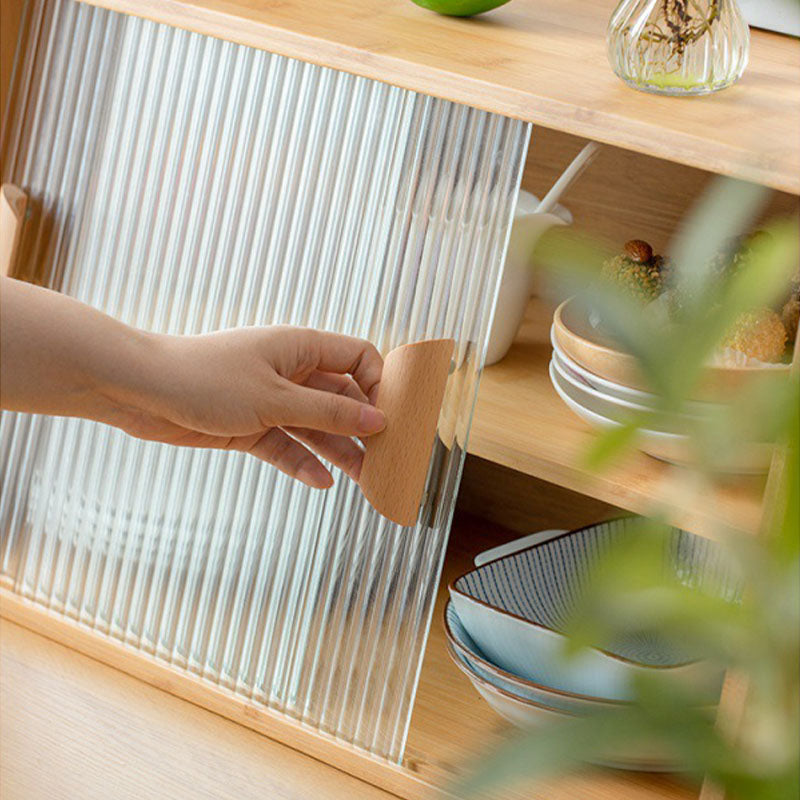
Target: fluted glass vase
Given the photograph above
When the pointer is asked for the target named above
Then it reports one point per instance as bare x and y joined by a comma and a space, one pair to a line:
678, 47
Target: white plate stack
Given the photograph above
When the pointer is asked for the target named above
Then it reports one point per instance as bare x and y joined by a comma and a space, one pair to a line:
605, 404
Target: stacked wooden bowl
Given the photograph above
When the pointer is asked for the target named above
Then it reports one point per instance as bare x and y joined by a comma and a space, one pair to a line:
605, 388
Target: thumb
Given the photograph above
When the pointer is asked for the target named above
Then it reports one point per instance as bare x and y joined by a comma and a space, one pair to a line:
329, 412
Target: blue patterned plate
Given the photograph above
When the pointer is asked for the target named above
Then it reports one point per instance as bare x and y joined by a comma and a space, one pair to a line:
514, 607
470, 654
641, 756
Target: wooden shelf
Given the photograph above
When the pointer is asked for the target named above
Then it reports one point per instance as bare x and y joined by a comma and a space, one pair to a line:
521, 423
71, 727
542, 61
452, 726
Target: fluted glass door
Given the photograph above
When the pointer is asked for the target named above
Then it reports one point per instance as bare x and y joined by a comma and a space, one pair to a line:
186, 184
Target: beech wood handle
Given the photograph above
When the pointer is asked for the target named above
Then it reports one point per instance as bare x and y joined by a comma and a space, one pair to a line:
12, 209
396, 459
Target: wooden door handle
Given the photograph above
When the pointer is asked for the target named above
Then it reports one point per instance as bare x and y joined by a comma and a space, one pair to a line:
13, 202
396, 459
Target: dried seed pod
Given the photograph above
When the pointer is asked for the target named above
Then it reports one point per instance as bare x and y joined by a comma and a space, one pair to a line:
758, 334
642, 281
639, 251
790, 315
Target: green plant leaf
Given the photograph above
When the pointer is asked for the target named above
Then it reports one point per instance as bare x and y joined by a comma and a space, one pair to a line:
725, 210
629, 593
611, 443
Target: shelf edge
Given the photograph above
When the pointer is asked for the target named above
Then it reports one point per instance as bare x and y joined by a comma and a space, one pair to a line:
649, 139
275, 726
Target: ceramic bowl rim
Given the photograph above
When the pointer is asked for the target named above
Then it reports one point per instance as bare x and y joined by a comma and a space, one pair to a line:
605, 385
643, 764
759, 465
558, 319
491, 687
570, 362
663, 435
614, 656
457, 646
556, 359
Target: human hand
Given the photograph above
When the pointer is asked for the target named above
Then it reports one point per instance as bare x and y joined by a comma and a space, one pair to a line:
278, 393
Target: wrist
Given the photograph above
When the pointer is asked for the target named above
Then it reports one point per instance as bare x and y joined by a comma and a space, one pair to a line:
128, 378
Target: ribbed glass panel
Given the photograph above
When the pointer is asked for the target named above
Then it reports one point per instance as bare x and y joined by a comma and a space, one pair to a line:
186, 184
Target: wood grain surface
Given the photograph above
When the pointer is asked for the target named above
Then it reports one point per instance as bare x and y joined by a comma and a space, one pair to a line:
10, 18
210, 696
627, 195
513, 500
396, 460
72, 728
543, 61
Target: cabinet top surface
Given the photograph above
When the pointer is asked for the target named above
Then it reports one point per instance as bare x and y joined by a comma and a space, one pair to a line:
543, 61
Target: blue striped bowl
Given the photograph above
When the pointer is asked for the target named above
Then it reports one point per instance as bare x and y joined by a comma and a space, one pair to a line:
470, 655
641, 756
514, 607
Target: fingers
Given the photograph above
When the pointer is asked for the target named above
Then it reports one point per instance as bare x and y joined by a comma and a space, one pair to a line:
273, 446
344, 385
337, 384
291, 457
305, 407
341, 451
336, 353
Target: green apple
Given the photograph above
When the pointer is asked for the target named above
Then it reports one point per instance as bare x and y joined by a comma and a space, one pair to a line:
460, 8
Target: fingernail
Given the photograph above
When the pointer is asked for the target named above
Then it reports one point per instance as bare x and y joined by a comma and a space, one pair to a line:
370, 419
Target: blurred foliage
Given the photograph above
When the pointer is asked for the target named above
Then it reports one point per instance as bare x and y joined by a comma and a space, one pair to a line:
756, 635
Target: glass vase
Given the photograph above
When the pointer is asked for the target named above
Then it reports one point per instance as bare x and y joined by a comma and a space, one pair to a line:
678, 47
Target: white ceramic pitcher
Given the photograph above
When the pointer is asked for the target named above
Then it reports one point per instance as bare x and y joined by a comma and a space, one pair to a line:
517, 282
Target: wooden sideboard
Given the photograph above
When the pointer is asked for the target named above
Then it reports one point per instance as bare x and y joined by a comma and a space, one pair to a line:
543, 62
